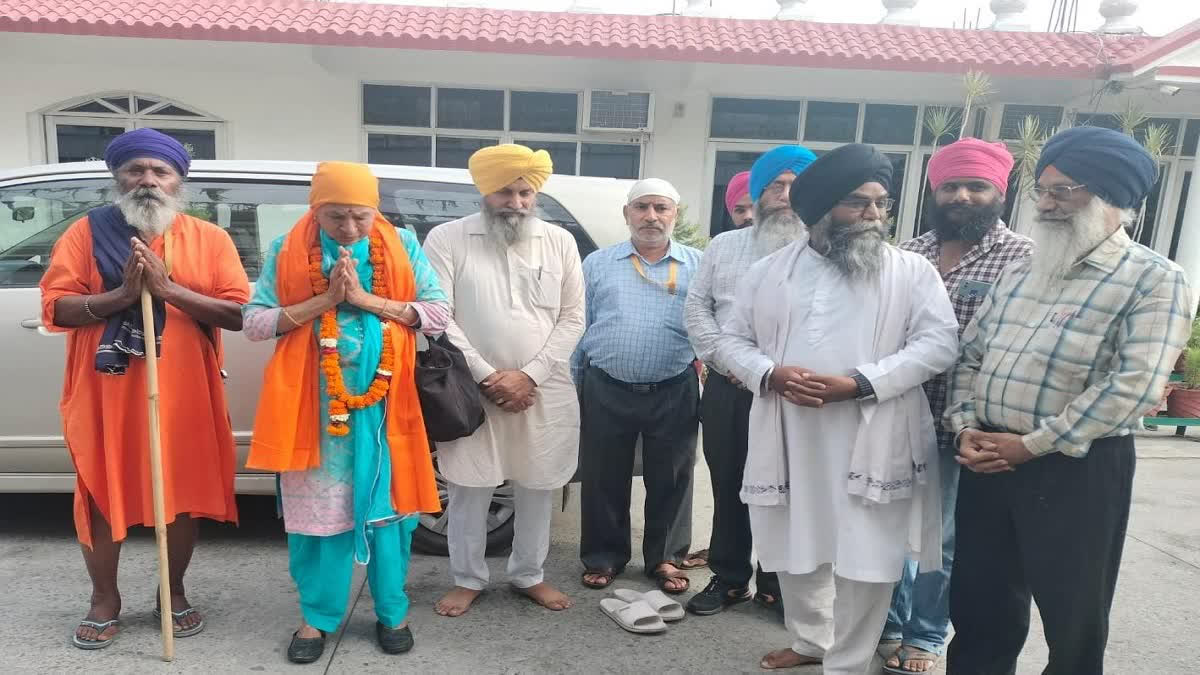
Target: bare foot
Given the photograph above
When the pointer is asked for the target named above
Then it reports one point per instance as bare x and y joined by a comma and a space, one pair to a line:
786, 658
456, 602
179, 603
546, 595
670, 578
102, 611
307, 632
915, 660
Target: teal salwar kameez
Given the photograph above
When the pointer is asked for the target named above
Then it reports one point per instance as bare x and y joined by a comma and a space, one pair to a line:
340, 513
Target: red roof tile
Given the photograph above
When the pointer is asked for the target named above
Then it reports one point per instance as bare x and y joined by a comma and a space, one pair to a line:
668, 38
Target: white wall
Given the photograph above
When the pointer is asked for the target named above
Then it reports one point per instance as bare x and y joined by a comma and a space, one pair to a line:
300, 102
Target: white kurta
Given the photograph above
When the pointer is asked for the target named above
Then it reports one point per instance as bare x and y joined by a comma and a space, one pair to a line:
519, 310
813, 316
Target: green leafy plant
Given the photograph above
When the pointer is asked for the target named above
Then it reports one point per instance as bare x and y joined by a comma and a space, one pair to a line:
977, 86
1191, 369
688, 232
1028, 149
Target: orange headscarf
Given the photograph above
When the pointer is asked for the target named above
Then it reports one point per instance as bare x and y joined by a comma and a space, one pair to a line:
288, 422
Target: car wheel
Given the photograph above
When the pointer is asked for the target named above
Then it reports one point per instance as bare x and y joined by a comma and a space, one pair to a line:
430, 535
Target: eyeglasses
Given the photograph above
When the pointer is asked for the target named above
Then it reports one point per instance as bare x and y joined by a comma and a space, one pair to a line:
859, 204
1059, 193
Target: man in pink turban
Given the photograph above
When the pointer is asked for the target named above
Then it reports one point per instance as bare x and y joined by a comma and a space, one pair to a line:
738, 202
969, 245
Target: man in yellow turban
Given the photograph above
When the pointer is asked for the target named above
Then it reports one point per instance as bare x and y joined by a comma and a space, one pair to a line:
515, 287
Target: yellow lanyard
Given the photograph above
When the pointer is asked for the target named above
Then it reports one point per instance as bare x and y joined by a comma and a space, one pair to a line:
672, 274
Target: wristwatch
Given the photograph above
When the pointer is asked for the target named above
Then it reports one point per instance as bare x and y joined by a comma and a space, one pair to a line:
865, 391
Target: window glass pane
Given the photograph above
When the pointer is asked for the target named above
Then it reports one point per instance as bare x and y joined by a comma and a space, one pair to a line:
561, 153
1183, 199
826, 121
1171, 124
946, 119
1049, 117
144, 103
176, 111
83, 143
470, 109
1102, 120
253, 213
889, 124
200, 143
121, 102
453, 153
91, 107
544, 112
1144, 232
610, 160
32, 217
399, 106
899, 164
1191, 138
422, 205
755, 118
396, 149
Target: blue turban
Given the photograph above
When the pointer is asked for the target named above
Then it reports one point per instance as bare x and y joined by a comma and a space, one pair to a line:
142, 143
1111, 164
766, 169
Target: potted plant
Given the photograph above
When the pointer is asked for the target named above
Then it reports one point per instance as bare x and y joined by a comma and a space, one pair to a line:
1184, 399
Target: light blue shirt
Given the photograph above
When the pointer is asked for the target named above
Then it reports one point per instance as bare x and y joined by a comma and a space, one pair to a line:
635, 330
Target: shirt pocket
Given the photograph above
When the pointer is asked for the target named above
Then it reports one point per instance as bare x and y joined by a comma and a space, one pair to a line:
545, 287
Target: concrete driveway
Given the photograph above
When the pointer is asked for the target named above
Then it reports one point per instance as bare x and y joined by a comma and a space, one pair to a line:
239, 579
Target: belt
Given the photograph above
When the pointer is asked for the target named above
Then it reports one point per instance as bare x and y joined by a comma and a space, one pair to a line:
644, 387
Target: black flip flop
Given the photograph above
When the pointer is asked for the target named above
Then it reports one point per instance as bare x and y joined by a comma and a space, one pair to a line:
611, 574
305, 650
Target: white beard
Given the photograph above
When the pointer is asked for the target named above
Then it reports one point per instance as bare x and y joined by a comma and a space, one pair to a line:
772, 231
150, 210
857, 250
506, 229
1060, 244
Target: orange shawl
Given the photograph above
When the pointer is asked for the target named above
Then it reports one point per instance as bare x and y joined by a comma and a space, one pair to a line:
288, 422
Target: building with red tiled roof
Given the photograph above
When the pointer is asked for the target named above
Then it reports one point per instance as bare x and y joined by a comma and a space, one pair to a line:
688, 98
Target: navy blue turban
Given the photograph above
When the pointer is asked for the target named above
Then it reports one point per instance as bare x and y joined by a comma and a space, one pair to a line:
1111, 164
143, 143
836, 174
767, 168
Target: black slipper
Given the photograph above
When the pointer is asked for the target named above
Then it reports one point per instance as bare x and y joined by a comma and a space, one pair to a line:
305, 650
393, 640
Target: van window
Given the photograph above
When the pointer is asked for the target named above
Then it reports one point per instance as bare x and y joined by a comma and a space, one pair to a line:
254, 212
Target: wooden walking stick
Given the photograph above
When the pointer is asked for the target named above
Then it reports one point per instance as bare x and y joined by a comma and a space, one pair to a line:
156, 479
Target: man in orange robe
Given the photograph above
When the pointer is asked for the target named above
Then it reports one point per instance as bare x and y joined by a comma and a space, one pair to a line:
92, 290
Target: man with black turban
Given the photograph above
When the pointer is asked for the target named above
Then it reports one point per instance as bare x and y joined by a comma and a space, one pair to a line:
91, 291
1066, 353
835, 334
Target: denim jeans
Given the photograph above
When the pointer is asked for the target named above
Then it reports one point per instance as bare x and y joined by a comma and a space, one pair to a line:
920, 613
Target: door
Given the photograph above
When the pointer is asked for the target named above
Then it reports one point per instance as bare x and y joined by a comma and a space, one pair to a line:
727, 160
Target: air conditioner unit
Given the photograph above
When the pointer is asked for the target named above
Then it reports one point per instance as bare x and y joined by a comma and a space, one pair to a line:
621, 111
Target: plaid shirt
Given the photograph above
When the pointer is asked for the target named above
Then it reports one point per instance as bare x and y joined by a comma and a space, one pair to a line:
967, 284
1068, 363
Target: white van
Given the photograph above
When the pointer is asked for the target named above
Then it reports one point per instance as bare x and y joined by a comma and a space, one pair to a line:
255, 201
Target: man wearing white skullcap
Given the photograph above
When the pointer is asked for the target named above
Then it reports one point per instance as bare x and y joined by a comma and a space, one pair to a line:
635, 375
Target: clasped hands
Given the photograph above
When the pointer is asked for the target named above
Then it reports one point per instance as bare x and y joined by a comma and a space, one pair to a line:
984, 452
511, 390
144, 268
803, 387
344, 286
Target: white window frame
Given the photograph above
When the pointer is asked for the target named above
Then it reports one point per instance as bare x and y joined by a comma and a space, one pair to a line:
58, 114
506, 135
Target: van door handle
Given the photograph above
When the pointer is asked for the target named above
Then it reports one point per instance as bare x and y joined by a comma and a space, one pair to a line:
36, 324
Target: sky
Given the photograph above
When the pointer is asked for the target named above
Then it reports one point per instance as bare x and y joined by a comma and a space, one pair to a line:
1157, 17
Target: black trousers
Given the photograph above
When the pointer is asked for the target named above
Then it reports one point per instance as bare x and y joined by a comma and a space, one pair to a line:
725, 410
613, 415
1053, 529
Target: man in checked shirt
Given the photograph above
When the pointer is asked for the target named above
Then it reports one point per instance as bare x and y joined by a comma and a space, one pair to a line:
1066, 353
970, 246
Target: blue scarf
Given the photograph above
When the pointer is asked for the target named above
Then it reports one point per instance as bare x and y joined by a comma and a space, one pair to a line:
123, 332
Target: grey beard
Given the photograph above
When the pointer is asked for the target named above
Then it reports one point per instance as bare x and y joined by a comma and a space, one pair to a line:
775, 229
856, 250
1059, 244
150, 210
506, 229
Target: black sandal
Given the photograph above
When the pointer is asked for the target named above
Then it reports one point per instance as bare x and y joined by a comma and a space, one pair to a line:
305, 650
393, 640
611, 575
661, 577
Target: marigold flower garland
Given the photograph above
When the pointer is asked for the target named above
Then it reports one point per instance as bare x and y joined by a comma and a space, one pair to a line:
341, 401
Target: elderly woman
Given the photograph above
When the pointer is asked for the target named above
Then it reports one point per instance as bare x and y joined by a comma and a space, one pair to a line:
339, 418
